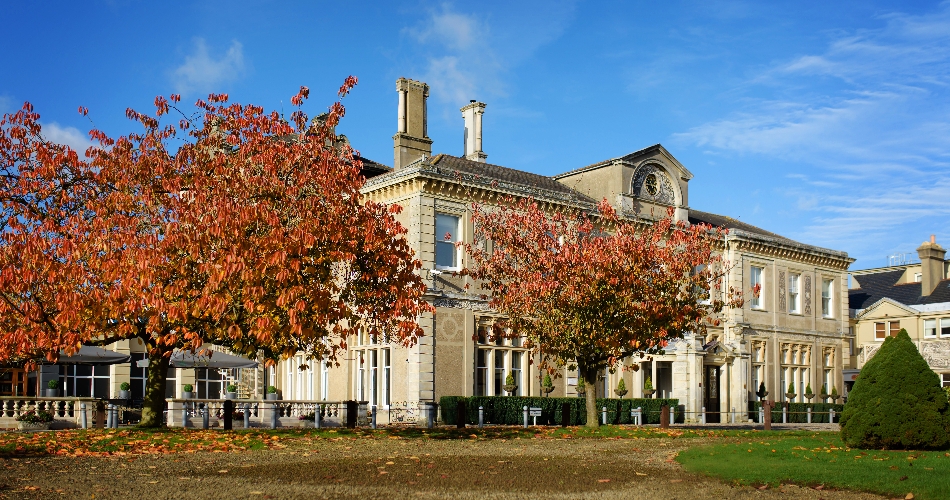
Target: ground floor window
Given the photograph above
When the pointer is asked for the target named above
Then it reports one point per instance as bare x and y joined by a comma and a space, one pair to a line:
211, 383
138, 376
492, 367
374, 374
946, 379
85, 381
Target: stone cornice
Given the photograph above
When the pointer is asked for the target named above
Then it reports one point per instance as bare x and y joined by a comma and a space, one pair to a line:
746, 241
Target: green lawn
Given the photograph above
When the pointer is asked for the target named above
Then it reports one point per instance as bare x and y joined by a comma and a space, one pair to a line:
813, 459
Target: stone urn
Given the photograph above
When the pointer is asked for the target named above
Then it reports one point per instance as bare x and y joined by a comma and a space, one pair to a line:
33, 426
834, 397
620, 392
809, 395
510, 388
824, 397
649, 392
547, 389
790, 395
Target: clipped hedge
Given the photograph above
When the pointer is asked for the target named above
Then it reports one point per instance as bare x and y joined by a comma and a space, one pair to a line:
897, 402
798, 412
509, 410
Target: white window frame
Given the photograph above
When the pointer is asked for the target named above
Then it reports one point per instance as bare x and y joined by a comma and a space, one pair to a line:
827, 298
374, 381
755, 278
506, 348
794, 293
441, 242
930, 328
944, 325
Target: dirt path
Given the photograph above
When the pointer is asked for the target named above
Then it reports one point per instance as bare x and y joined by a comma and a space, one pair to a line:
391, 468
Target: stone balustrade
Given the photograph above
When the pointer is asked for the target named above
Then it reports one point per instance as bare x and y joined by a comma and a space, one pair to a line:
67, 412
261, 413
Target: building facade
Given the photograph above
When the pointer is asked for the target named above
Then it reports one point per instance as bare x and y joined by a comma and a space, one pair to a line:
915, 297
794, 332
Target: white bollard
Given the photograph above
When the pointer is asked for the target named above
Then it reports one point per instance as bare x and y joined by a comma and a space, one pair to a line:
481, 417
808, 411
785, 414
831, 415
639, 415
525, 417
702, 415
273, 415
317, 417
761, 415
604, 415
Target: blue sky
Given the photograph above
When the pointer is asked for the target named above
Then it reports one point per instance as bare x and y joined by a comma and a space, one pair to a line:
825, 122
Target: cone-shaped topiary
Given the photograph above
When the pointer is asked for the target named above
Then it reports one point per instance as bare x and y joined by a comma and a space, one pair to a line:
897, 402
547, 381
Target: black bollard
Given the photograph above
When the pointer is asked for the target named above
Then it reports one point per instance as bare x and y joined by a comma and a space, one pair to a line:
565, 414
352, 407
461, 415
228, 414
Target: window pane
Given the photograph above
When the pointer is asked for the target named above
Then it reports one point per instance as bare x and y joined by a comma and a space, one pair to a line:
446, 234
481, 372
895, 328
499, 373
879, 332
945, 327
930, 328
756, 280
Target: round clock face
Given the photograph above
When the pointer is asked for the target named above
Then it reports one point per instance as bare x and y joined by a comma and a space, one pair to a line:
650, 184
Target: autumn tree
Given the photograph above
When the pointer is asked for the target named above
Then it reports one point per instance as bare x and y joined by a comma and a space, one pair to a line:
591, 289
230, 225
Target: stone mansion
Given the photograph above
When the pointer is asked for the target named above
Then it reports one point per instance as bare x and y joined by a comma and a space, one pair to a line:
795, 332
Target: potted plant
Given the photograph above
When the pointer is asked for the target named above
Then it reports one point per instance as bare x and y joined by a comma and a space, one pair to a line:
308, 419
232, 392
510, 386
271, 393
32, 420
834, 394
808, 392
52, 389
648, 390
581, 388
621, 389
187, 391
546, 385
824, 393
125, 391
791, 391
761, 393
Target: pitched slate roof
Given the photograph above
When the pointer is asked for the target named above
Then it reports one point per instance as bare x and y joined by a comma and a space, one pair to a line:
372, 168
877, 286
697, 217
486, 171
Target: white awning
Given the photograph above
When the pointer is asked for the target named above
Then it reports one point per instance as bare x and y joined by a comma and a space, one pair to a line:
217, 359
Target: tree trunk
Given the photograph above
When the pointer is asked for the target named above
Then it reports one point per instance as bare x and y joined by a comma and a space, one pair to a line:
154, 405
590, 396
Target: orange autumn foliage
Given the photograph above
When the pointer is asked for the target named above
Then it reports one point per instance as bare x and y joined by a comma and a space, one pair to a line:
593, 289
226, 225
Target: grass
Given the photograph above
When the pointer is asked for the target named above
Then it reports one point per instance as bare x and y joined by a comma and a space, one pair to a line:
821, 459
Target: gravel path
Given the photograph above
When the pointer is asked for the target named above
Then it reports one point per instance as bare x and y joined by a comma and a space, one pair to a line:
392, 468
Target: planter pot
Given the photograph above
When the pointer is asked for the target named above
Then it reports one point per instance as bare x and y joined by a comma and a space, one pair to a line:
272, 397
790, 395
835, 397
187, 395
125, 394
620, 393
824, 397
763, 395
649, 393
547, 389
510, 388
28, 426
230, 395
52, 393
809, 396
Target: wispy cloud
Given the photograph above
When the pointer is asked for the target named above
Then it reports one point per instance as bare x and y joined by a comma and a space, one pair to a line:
867, 119
70, 136
468, 55
202, 72
6, 104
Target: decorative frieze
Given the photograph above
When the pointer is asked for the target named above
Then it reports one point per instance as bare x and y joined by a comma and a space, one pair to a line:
781, 291
807, 295
936, 353
473, 305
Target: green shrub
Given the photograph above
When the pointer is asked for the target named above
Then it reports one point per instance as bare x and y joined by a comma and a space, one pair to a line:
187, 388
510, 379
761, 393
648, 384
271, 389
581, 388
791, 388
808, 389
621, 386
232, 388
896, 402
547, 381
824, 389
834, 390
501, 410
52, 384
124, 386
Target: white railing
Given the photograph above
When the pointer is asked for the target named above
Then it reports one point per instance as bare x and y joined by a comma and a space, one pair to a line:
67, 412
262, 413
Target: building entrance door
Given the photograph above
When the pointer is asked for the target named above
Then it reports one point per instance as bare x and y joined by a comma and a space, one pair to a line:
711, 394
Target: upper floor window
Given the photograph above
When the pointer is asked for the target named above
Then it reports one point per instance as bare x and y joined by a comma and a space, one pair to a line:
827, 287
882, 329
755, 280
446, 235
945, 327
930, 328
794, 297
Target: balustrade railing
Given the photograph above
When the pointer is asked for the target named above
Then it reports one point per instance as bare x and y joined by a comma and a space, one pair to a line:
210, 413
67, 412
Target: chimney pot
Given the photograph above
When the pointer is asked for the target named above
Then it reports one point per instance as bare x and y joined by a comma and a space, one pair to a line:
932, 265
933, 238
472, 145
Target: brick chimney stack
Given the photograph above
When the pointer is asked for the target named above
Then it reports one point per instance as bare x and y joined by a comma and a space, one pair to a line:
932, 265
